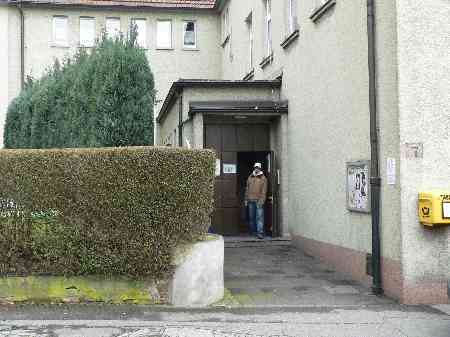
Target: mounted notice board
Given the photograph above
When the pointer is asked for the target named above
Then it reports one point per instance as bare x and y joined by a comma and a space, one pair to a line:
358, 187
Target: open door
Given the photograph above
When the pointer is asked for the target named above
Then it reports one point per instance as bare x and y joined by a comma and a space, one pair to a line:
272, 196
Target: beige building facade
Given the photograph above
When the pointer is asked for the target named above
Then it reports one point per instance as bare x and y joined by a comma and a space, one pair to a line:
298, 73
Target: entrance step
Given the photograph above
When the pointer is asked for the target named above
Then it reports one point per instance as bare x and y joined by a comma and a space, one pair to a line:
251, 241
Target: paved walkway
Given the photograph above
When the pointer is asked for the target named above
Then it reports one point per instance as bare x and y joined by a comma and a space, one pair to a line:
273, 273
274, 290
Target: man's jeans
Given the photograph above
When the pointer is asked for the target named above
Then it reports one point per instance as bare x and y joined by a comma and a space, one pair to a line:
256, 217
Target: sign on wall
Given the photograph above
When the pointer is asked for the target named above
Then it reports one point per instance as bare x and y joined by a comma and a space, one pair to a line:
229, 169
358, 193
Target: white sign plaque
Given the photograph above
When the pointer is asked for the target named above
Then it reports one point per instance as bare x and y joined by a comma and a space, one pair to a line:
217, 167
229, 168
446, 210
390, 171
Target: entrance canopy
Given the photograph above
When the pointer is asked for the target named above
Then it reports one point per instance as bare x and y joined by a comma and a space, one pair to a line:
180, 121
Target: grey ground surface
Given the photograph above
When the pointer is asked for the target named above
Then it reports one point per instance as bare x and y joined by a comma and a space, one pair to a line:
274, 290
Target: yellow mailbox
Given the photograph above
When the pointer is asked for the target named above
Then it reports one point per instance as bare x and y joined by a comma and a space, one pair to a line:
434, 208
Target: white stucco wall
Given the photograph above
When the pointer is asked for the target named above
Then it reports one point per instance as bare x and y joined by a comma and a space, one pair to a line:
424, 101
325, 80
4, 73
9, 60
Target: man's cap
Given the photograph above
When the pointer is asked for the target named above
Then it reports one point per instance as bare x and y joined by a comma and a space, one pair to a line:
258, 165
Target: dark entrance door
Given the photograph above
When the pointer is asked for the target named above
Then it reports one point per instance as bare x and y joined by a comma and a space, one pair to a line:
231, 141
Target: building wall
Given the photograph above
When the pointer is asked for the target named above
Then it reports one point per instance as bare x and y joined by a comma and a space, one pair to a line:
4, 72
168, 128
424, 101
325, 80
9, 60
167, 65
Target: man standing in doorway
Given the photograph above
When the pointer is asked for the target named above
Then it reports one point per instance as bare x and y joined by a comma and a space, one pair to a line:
255, 197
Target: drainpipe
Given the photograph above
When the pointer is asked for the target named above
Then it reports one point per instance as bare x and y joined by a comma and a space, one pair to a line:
375, 179
22, 44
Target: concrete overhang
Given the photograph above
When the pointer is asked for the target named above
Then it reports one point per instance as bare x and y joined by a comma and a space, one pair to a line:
239, 108
178, 86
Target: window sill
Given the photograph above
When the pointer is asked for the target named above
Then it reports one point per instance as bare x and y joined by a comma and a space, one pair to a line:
190, 49
58, 45
249, 75
265, 61
225, 41
289, 39
320, 11
160, 48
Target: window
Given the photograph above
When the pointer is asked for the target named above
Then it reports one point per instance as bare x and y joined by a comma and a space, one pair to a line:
320, 8
164, 34
226, 24
87, 32
60, 31
189, 35
249, 22
112, 27
268, 22
141, 30
291, 17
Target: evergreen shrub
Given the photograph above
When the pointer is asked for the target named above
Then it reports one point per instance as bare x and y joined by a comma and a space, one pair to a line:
98, 98
103, 211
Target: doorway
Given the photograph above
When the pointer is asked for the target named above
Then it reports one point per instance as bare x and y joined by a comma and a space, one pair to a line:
245, 163
238, 146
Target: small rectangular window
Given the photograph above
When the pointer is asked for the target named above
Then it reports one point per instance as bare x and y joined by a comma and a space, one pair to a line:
141, 30
87, 32
189, 34
112, 26
164, 34
268, 23
60, 31
249, 21
292, 16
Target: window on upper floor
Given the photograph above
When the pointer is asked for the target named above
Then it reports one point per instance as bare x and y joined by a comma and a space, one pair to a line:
61, 31
141, 30
291, 17
87, 32
226, 25
249, 22
164, 34
268, 27
112, 26
190, 35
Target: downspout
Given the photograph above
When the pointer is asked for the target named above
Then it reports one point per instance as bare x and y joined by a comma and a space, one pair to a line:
22, 45
375, 179
180, 120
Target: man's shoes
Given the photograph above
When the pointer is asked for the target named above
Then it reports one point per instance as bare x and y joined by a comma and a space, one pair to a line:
260, 236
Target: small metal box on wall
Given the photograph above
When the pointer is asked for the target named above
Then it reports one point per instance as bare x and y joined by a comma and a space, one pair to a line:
434, 208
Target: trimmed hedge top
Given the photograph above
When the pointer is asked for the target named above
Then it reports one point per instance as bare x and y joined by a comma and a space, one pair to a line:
111, 211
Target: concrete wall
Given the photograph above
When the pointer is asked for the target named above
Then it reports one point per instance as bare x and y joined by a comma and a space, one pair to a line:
167, 65
424, 101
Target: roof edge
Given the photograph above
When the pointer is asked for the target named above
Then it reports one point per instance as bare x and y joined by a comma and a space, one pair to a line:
179, 85
138, 4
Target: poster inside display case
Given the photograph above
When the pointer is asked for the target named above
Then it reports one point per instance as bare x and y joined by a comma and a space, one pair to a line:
358, 186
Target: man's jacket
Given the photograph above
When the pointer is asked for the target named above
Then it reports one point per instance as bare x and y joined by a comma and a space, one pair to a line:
256, 188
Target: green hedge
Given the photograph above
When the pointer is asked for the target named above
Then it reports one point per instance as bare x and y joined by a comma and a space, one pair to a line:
107, 211
101, 98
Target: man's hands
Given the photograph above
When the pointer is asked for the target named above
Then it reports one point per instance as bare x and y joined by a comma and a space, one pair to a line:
260, 203
245, 203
